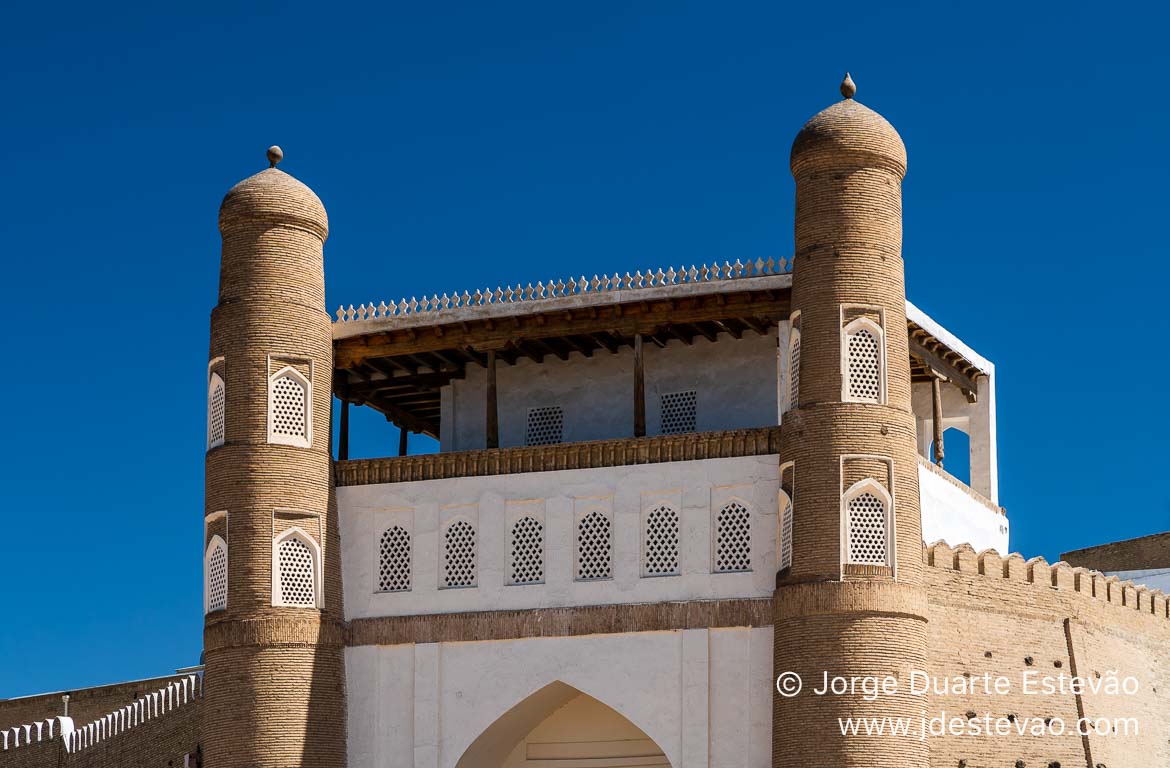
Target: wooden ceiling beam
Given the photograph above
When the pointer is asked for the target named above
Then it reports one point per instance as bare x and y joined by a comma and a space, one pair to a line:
405, 419
944, 366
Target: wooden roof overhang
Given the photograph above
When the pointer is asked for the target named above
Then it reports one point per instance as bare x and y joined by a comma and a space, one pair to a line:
930, 357
399, 369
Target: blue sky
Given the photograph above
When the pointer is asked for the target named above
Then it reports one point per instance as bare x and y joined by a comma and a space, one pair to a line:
464, 145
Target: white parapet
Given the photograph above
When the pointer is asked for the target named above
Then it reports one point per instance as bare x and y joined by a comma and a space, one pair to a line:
956, 514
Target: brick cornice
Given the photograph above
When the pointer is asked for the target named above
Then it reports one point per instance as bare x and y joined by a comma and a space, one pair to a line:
560, 622
273, 631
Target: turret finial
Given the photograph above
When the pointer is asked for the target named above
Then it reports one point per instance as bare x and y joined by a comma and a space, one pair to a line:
275, 154
848, 87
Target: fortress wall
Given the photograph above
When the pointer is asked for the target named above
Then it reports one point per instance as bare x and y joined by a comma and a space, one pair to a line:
1011, 617
85, 704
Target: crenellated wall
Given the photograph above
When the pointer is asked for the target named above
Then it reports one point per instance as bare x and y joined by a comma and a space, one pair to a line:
161, 725
1030, 621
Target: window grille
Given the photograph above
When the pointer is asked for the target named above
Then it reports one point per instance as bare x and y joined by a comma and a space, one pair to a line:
866, 521
215, 412
678, 412
288, 404
733, 543
217, 576
794, 370
594, 547
527, 551
394, 560
661, 542
459, 555
546, 426
297, 573
864, 365
785, 532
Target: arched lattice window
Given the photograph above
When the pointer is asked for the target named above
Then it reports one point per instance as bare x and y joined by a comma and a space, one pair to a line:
794, 368
394, 560
661, 542
215, 575
785, 560
867, 524
864, 360
216, 403
733, 539
459, 554
295, 560
289, 403
594, 547
527, 561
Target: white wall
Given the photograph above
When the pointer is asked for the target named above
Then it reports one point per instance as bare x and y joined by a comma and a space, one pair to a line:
696, 489
703, 696
951, 514
736, 381
976, 419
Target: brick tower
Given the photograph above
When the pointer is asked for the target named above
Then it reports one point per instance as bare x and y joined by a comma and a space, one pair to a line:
274, 678
853, 601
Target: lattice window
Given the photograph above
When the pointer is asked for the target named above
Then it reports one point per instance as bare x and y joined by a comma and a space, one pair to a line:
867, 530
394, 560
594, 547
216, 575
678, 412
785, 532
863, 363
527, 565
296, 567
459, 555
215, 411
733, 539
794, 369
661, 554
288, 408
546, 426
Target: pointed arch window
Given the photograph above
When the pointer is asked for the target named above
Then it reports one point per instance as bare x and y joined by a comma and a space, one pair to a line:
867, 536
864, 362
296, 565
794, 367
394, 559
215, 575
289, 408
785, 559
216, 409
459, 554
733, 538
661, 550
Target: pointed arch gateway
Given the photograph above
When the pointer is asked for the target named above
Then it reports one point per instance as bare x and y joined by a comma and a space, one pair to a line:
559, 725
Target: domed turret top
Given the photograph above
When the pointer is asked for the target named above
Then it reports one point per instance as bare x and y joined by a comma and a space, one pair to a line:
848, 134
274, 197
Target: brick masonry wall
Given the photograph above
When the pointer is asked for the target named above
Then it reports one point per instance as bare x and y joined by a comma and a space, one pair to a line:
1144, 553
85, 704
1008, 616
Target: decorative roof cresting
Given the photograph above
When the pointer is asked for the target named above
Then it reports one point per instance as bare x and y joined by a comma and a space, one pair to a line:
572, 287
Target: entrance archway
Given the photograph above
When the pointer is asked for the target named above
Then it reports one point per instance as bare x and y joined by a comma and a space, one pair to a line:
558, 726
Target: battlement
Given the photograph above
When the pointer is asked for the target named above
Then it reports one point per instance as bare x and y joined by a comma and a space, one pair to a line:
1074, 582
148, 707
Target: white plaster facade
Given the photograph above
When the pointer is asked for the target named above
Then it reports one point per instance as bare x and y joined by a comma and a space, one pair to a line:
704, 697
697, 490
735, 380
951, 514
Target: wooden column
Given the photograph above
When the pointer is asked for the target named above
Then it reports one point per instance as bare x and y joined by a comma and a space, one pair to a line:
492, 419
639, 389
343, 432
937, 417
402, 437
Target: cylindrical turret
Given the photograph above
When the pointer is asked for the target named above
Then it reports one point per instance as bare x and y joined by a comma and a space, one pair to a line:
274, 678
852, 602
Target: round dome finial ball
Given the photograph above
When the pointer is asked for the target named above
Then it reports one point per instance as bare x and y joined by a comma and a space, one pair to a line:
275, 155
848, 87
